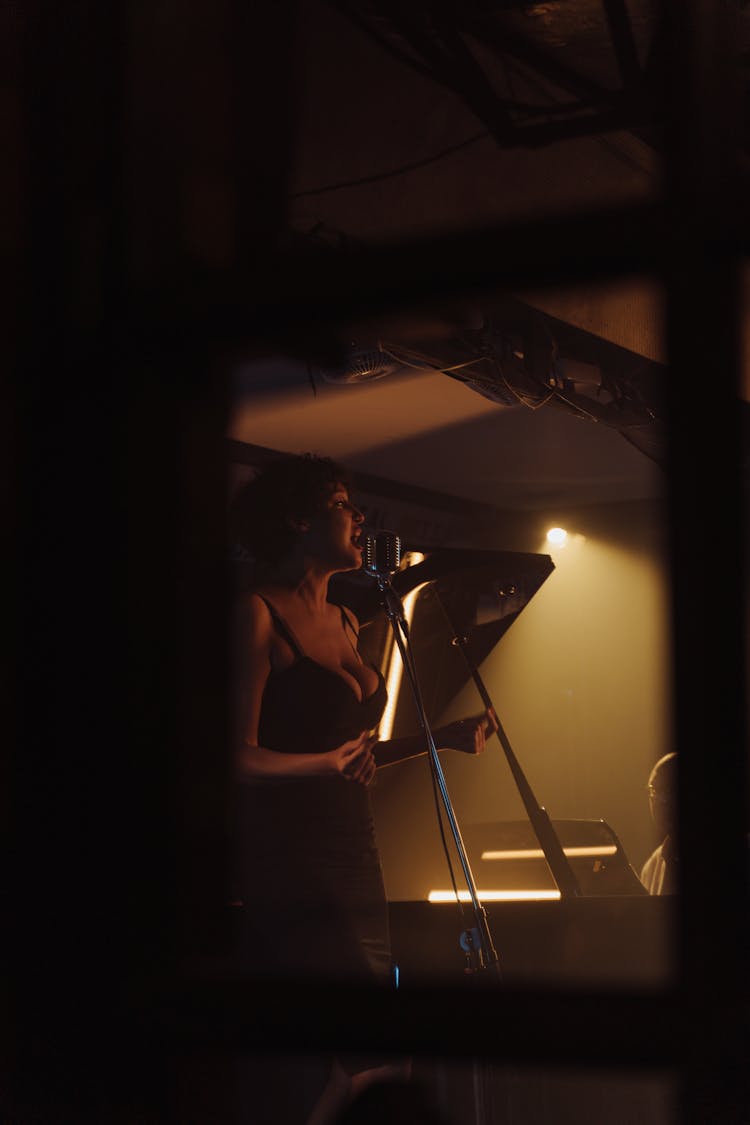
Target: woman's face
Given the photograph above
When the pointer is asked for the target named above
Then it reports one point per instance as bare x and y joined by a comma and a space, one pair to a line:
335, 534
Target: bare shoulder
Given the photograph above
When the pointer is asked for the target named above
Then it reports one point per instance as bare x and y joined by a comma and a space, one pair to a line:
251, 601
251, 614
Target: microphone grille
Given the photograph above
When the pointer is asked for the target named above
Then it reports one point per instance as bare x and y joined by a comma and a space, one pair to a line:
388, 552
368, 553
381, 553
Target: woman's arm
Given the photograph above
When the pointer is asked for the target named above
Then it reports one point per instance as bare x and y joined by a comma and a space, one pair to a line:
467, 736
352, 760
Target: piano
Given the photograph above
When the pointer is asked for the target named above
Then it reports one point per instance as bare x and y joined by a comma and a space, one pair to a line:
567, 909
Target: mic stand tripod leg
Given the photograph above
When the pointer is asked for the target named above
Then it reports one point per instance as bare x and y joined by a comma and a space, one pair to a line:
484, 953
477, 944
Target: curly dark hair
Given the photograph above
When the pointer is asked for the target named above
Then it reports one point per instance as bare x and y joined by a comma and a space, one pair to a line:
295, 485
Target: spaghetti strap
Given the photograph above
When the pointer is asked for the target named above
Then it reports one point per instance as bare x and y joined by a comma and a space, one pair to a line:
283, 629
346, 622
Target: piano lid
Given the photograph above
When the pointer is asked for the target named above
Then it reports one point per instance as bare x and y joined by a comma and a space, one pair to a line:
481, 592
475, 595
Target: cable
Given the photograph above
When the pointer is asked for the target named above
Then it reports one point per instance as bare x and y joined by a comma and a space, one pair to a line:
398, 171
399, 353
422, 360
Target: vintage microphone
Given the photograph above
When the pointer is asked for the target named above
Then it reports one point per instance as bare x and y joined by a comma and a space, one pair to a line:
381, 558
381, 554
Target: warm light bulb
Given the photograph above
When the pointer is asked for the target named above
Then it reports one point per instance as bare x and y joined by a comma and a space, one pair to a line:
557, 536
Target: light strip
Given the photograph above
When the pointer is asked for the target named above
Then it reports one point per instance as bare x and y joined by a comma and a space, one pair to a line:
395, 664
537, 853
493, 896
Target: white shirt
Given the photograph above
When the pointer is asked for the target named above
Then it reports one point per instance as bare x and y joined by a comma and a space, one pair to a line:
659, 872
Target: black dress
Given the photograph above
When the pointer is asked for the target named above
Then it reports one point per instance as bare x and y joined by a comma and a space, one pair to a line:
308, 869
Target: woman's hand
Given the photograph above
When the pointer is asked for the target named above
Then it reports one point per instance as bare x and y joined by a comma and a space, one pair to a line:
468, 736
355, 760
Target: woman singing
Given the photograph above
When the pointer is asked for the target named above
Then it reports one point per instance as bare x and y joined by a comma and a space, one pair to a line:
308, 868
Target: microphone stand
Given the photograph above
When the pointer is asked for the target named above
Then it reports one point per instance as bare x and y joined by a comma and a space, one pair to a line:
477, 943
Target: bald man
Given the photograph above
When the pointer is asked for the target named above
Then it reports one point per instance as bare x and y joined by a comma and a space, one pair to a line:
659, 873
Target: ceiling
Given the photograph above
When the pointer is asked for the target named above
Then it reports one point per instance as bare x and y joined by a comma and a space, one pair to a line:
429, 431
415, 120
